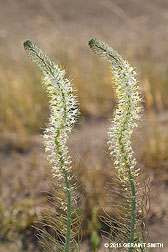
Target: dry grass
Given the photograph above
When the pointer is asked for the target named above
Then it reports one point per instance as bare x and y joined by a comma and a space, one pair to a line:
137, 30
24, 112
23, 103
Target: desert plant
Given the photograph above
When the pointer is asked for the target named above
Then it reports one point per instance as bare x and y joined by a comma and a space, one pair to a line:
129, 227
63, 115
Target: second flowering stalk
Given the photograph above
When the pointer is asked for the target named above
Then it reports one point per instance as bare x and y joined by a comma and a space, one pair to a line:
130, 226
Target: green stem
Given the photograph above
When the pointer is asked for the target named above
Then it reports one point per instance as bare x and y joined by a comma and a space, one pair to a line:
68, 211
133, 194
133, 208
133, 201
68, 195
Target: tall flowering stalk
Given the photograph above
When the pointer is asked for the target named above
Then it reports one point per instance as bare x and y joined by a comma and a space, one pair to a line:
119, 135
63, 116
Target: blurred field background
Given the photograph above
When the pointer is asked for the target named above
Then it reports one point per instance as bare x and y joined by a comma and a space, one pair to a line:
138, 30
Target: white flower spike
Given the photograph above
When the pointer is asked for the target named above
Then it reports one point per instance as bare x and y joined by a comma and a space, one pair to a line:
120, 132
63, 115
